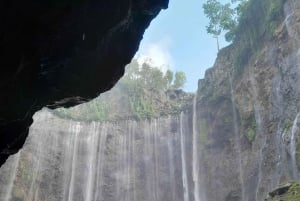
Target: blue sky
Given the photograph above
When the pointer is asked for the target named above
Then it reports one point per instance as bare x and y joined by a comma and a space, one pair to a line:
177, 38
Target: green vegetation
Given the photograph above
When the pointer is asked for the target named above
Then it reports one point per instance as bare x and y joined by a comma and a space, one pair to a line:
234, 17
293, 194
288, 124
249, 125
273, 14
237, 21
203, 133
252, 31
221, 18
250, 134
180, 79
142, 93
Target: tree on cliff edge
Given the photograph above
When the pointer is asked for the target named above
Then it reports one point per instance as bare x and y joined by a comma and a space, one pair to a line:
221, 18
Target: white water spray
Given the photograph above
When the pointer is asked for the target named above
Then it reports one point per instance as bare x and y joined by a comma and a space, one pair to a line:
74, 162
293, 148
237, 142
195, 153
124, 161
183, 161
15, 162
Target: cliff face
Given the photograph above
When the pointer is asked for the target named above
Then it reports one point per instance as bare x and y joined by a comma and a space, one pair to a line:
248, 108
240, 142
62, 53
126, 160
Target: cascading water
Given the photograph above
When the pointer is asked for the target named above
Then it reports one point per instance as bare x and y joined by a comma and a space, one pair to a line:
293, 148
121, 161
75, 130
14, 161
237, 142
183, 161
195, 153
172, 168
92, 168
259, 134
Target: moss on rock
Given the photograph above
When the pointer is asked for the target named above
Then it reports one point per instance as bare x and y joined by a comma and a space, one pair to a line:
251, 134
203, 133
292, 194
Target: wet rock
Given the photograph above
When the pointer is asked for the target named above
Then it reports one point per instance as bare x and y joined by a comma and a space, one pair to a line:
287, 192
63, 53
280, 190
247, 108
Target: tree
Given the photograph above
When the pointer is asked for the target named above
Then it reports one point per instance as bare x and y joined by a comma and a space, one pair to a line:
180, 79
168, 78
221, 18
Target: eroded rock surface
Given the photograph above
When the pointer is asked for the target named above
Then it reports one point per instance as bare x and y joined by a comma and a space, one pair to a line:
62, 53
248, 108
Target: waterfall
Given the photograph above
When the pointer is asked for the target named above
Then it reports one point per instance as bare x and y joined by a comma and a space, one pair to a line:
195, 152
259, 134
100, 162
237, 142
36, 171
14, 161
293, 148
150, 160
75, 130
156, 192
92, 168
183, 161
172, 169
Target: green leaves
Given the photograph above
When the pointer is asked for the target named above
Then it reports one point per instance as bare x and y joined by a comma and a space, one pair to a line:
180, 80
169, 78
146, 85
223, 17
212, 10
141, 94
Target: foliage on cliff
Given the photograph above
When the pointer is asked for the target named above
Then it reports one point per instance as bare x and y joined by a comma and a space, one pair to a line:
253, 77
222, 17
233, 18
292, 194
143, 92
253, 31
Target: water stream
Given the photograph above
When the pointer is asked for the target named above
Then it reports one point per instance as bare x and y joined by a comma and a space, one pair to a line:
195, 153
237, 142
183, 161
259, 133
151, 160
293, 148
14, 162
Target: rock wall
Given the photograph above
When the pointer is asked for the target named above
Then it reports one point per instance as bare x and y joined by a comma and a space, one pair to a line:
149, 160
240, 142
248, 107
58, 53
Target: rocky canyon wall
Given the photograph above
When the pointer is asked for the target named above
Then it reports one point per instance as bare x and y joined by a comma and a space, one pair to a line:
126, 160
60, 53
238, 142
248, 108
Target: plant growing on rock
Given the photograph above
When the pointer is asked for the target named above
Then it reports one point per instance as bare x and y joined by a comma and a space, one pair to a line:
141, 93
221, 18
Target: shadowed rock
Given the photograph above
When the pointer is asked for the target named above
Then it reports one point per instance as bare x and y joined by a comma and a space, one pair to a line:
280, 190
63, 53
